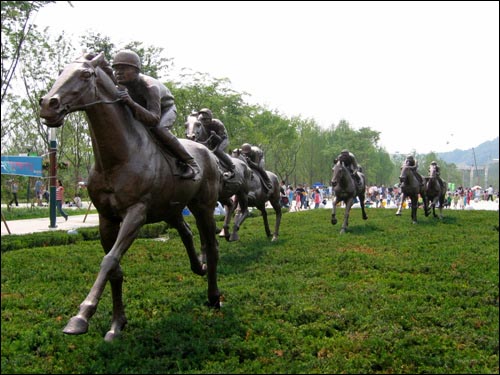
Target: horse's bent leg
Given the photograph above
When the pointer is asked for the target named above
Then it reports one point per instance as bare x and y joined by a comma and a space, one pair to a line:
110, 270
334, 211
240, 218
206, 225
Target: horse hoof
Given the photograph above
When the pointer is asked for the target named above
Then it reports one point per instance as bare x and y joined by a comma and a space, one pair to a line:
274, 239
111, 335
76, 326
334, 221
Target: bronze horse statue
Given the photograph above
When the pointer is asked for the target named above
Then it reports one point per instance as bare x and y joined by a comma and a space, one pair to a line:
255, 196
435, 193
237, 186
345, 189
132, 182
412, 188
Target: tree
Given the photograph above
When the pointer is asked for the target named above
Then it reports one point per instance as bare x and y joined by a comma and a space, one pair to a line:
16, 27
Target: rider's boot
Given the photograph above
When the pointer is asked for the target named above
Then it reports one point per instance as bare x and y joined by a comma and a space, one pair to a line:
267, 182
356, 178
226, 160
173, 144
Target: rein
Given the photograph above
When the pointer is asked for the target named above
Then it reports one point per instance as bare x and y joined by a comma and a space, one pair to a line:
83, 106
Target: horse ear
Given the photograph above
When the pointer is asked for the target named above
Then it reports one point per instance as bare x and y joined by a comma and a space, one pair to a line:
98, 60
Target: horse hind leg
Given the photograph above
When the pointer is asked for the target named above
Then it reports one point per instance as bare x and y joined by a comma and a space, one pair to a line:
206, 226
197, 266
277, 209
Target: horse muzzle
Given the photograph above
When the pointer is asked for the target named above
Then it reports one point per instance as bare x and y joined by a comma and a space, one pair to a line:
52, 113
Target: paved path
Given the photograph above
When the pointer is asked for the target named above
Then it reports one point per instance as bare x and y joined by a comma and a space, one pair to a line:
43, 225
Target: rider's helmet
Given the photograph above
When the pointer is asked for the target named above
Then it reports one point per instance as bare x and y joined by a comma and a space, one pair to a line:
345, 152
205, 113
246, 148
434, 163
127, 57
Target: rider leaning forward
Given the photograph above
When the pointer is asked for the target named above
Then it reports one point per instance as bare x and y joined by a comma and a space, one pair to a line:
351, 164
151, 103
218, 138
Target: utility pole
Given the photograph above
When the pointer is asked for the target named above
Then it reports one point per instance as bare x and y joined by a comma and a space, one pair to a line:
53, 177
475, 163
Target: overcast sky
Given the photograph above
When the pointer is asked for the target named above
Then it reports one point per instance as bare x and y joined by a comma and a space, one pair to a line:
423, 74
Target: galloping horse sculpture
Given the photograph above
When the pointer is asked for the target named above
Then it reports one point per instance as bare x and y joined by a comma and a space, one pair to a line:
411, 187
133, 182
435, 193
345, 189
248, 190
237, 186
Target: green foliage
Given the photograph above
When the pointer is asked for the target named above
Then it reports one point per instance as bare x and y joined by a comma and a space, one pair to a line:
386, 297
61, 237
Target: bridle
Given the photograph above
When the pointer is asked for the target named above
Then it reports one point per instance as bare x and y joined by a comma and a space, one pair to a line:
93, 76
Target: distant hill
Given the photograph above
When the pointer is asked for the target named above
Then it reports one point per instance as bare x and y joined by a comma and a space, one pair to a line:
485, 153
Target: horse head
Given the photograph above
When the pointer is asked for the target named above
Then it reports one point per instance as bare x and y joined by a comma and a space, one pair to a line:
337, 172
432, 171
76, 88
404, 174
193, 127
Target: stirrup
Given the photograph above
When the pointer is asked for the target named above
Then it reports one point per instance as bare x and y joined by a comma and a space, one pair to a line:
191, 173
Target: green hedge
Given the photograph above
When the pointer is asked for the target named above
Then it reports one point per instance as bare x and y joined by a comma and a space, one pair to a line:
62, 238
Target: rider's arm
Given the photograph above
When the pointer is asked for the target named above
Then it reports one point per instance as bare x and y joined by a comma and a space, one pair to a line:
149, 116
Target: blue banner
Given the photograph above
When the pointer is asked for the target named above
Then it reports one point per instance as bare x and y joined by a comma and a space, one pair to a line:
22, 165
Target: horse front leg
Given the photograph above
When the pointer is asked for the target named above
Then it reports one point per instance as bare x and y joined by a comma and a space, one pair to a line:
414, 207
110, 270
400, 205
348, 205
229, 207
362, 204
334, 211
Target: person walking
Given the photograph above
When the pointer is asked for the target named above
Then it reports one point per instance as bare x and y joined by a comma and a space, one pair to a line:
38, 192
14, 188
60, 199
